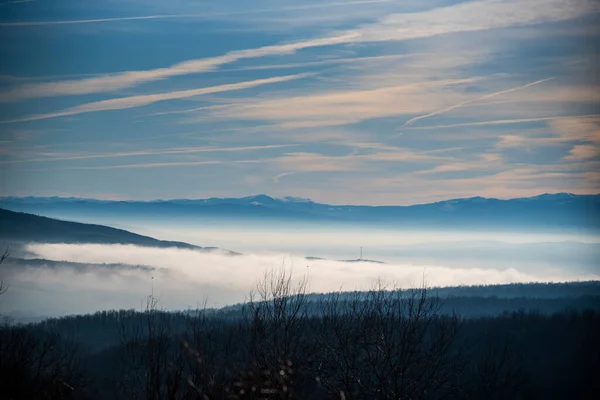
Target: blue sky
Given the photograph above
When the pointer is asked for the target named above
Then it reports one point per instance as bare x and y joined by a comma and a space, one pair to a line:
355, 102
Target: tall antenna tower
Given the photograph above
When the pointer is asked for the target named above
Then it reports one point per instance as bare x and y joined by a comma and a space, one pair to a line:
360, 253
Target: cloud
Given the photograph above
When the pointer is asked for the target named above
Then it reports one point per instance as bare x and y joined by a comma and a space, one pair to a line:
329, 61
276, 178
95, 21
463, 17
15, 2
294, 162
110, 83
180, 150
147, 165
584, 128
466, 102
524, 142
144, 100
583, 152
206, 15
341, 107
561, 131
485, 162
316, 162
505, 121
424, 84
184, 278
472, 176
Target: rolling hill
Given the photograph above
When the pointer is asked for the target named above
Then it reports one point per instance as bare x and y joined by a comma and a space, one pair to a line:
22, 227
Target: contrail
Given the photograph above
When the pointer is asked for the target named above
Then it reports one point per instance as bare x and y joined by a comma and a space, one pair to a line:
97, 20
487, 96
503, 122
193, 15
276, 178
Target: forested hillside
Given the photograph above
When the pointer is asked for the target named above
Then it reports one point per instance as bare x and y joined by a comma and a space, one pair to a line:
285, 344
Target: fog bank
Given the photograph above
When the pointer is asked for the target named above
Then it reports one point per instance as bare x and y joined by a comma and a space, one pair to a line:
78, 281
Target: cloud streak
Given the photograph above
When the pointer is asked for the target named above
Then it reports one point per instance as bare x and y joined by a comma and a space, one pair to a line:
505, 121
144, 100
583, 152
467, 102
277, 178
147, 165
181, 150
464, 17
180, 16
340, 107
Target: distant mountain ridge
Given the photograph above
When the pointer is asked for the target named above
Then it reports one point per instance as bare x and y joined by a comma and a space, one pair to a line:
546, 210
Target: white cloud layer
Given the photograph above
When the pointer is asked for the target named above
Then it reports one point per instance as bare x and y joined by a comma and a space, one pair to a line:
185, 278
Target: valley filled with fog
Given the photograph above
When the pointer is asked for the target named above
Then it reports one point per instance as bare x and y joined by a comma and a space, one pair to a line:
57, 279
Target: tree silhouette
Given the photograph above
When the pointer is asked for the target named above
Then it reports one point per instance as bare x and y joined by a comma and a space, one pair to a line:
3, 257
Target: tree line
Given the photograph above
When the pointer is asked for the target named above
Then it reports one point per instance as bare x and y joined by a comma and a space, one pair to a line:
385, 343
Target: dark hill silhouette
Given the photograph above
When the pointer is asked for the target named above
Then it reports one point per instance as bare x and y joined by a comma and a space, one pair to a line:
17, 226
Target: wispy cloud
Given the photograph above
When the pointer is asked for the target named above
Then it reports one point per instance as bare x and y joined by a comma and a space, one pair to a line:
276, 178
525, 142
96, 21
340, 107
147, 165
144, 100
15, 2
110, 83
584, 128
559, 132
330, 61
291, 163
478, 99
464, 17
500, 181
504, 122
297, 162
206, 15
483, 163
181, 150
583, 152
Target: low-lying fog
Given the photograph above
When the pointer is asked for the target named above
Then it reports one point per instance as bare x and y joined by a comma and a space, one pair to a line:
86, 278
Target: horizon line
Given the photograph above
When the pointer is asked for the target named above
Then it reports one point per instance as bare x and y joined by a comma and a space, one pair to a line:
286, 198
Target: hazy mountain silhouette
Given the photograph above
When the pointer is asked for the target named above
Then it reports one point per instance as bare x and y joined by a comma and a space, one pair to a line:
544, 211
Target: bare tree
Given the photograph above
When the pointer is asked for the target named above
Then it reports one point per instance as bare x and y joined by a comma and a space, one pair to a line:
385, 344
35, 367
496, 374
3, 257
152, 365
213, 348
276, 316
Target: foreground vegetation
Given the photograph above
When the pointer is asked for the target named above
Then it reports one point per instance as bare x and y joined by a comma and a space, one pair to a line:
284, 344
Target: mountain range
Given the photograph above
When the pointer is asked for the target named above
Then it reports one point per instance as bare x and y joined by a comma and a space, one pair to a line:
561, 210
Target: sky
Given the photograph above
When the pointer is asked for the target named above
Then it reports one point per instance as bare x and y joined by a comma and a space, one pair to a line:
354, 102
